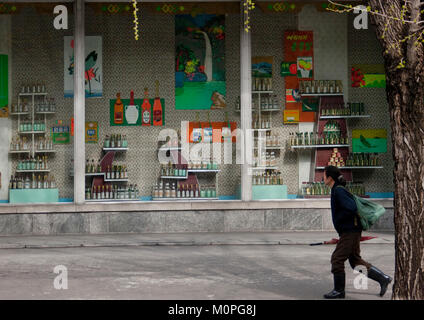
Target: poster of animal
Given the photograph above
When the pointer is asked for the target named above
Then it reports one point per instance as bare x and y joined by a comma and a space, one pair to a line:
369, 141
200, 81
93, 67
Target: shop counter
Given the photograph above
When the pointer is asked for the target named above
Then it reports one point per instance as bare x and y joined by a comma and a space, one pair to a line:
33, 195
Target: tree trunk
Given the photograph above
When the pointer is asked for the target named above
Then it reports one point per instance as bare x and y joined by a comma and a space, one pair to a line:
405, 92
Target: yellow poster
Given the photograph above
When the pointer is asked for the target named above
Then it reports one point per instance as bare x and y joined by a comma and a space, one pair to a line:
291, 116
91, 132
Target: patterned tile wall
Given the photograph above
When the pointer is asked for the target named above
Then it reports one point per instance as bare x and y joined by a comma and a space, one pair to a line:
364, 48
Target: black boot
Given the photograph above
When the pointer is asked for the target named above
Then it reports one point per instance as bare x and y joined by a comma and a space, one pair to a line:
339, 287
379, 276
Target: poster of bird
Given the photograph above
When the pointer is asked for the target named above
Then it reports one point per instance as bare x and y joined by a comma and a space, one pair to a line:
93, 69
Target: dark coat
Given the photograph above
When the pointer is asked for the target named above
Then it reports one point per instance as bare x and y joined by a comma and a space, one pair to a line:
344, 210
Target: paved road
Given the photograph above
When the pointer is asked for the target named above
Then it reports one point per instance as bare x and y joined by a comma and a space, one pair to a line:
183, 272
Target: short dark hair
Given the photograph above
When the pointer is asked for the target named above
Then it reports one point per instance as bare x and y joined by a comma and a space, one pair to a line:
336, 174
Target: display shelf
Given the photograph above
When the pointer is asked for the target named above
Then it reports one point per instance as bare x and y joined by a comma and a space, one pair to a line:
260, 91
202, 170
270, 148
264, 168
184, 199
116, 180
353, 168
45, 112
32, 132
24, 171
269, 192
19, 113
95, 174
270, 110
316, 146
262, 130
29, 94
115, 149
345, 117
162, 148
174, 177
111, 200
45, 151
20, 151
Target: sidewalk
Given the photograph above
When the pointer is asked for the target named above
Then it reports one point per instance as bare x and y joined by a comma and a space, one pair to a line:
181, 239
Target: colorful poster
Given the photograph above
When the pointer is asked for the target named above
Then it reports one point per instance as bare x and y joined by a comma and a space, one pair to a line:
262, 67
91, 132
369, 141
291, 116
93, 67
298, 44
4, 86
288, 69
61, 134
132, 114
368, 76
305, 67
200, 62
128, 115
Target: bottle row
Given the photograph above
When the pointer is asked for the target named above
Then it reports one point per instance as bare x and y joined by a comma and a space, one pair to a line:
116, 141
271, 140
36, 182
273, 178
116, 172
29, 126
261, 84
267, 159
320, 87
180, 190
342, 109
261, 124
331, 126
320, 189
112, 192
363, 160
310, 138
205, 164
23, 144
269, 103
35, 88
41, 163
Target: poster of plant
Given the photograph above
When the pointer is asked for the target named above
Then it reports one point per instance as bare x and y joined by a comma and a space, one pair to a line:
304, 67
93, 67
369, 141
368, 76
262, 67
288, 69
200, 62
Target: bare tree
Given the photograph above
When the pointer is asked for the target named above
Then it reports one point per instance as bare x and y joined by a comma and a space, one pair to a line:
399, 25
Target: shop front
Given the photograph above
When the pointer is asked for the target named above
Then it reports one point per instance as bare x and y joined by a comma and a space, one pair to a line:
141, 116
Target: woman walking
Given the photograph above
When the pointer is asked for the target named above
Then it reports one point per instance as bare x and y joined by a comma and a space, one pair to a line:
348, 226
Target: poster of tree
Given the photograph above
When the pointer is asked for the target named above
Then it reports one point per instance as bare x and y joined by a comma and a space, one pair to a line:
200, 62
93, 67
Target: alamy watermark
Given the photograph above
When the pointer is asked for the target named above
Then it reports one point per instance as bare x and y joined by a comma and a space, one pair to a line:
60, 282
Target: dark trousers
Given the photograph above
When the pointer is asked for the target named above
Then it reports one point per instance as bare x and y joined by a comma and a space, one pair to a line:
347, 248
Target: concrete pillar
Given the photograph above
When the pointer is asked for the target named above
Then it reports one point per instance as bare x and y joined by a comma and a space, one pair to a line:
246, 107
6, 123
79, 103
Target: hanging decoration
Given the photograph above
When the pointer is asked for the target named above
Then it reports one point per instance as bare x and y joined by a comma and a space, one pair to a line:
249, 5
135, 19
